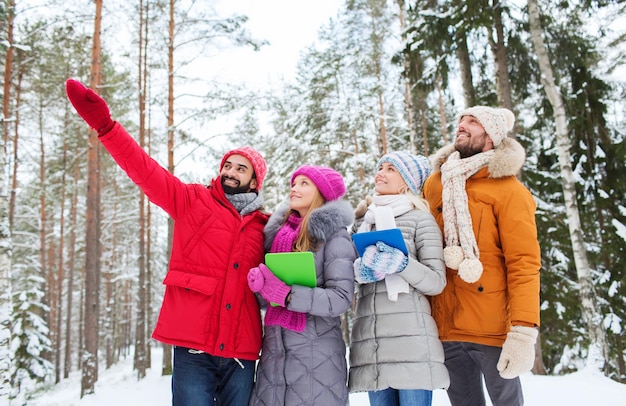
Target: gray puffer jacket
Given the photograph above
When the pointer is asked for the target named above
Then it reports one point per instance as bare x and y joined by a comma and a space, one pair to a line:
396, 344
309, 368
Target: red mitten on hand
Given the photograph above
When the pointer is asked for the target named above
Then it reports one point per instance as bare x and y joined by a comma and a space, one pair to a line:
91, 107
274, 290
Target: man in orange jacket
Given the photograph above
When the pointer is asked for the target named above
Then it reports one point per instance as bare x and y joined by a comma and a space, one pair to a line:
209, 314
488, 314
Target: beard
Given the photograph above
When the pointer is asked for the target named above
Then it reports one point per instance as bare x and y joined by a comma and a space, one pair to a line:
234, 190
469, 148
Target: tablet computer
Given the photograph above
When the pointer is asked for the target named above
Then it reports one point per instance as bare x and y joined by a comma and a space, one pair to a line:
392, 237
293, 268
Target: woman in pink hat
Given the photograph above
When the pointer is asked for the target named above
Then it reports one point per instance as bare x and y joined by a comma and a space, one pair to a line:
303, 359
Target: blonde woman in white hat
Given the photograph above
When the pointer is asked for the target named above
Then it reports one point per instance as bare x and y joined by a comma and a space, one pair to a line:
488, 314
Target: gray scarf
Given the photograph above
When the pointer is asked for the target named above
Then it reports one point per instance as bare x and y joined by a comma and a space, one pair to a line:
246, 203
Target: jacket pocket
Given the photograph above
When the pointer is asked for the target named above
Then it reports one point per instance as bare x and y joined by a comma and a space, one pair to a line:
186, 280
484, 309
187, 310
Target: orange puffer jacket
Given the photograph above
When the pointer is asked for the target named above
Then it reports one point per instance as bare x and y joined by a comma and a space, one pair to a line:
503, 220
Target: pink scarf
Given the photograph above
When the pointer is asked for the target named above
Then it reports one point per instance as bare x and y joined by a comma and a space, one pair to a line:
283, 242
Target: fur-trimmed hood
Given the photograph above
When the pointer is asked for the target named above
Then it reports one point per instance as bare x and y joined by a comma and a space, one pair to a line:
508, 159
324, 221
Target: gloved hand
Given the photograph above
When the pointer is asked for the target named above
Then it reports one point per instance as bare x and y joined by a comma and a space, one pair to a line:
377, 261
262, 280
364, 274
518, 352
384, 258
255, 279
91, 107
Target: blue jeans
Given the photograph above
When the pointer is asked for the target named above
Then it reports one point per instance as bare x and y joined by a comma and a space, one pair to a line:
401, 397
200, 379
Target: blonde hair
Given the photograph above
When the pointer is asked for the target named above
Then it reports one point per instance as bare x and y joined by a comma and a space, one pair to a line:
305, 242
418, 201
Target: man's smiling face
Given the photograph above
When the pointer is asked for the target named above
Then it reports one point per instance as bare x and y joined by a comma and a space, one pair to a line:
237, 175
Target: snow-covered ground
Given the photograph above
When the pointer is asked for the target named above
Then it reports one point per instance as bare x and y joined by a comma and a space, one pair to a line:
119, 386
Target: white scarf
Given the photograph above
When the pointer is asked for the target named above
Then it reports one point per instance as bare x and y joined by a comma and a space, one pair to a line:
461, 251
382, 213
400, 204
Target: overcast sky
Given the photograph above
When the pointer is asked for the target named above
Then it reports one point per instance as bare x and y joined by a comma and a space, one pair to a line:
289, 25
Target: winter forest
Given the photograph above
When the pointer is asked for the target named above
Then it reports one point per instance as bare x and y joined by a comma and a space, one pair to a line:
83, 253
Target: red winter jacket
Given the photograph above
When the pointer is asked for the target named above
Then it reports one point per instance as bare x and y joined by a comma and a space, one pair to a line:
207, 304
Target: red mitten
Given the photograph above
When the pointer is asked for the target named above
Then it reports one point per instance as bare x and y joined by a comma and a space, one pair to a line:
91, 107
274, 290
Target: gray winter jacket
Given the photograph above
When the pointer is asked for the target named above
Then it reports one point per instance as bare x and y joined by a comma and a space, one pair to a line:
396, 344
309, 368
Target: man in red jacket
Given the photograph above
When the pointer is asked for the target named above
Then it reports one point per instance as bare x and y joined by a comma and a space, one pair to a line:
208, 314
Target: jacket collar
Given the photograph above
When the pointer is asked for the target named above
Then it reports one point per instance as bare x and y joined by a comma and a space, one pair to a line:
508, 159
324, 222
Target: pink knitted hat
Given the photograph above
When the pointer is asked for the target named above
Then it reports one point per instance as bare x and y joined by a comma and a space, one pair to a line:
497, 121
328, 181
255, 158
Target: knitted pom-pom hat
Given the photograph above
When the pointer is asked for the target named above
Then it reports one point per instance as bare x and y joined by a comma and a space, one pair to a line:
497, 121
255, 158
414, 169
328, 181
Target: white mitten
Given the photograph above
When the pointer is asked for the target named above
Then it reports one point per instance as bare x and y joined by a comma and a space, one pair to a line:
518, 352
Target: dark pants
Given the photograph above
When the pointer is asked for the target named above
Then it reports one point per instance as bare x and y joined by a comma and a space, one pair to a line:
200, 379
467, 364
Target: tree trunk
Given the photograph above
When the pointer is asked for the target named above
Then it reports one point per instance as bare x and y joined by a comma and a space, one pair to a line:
70, 268
167, 350
6, 303
46, 271
140, 362
442, 112
539, 368
149, 311
503, 81
465, 66
13, 190
109, 287
408, 100
92, 241
598, 348
60, 272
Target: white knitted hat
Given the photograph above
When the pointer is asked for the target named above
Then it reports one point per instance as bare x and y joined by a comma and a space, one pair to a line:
497, 121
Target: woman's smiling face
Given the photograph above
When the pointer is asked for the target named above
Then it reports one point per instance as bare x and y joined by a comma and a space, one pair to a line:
388, 180
303, 191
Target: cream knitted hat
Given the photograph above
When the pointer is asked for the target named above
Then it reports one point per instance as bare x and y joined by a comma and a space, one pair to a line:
497, 121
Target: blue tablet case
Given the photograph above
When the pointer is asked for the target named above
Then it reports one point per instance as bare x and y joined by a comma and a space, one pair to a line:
392, 237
